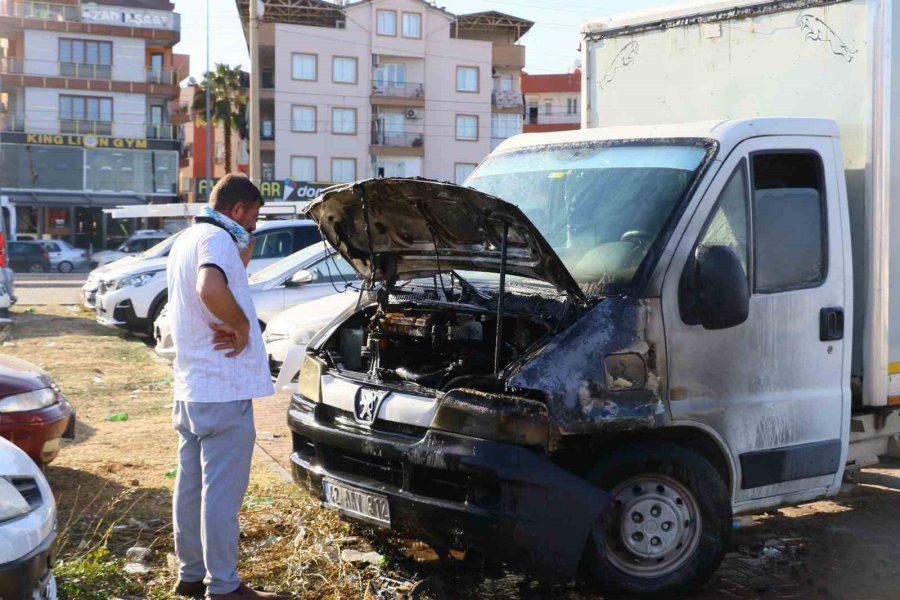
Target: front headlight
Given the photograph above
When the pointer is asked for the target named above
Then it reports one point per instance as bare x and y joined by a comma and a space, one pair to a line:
493, 417
137, 280
310, 379
12, 503
33, 400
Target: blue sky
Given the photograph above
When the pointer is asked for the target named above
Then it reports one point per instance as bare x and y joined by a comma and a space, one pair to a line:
551, 44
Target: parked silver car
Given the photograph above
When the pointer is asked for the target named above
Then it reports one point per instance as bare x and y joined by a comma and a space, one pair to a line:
64, 257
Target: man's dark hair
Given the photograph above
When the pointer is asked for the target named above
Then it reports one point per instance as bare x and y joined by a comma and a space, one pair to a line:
234, 189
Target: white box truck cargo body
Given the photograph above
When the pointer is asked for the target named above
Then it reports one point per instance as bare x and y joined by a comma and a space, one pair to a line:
803, 58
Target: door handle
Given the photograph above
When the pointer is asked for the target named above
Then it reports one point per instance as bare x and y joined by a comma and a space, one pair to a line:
831, 324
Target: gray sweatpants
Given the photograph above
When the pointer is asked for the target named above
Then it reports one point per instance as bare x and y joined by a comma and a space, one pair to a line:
214, 452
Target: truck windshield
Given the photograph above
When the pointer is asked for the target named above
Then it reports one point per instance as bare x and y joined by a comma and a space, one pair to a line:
600, 206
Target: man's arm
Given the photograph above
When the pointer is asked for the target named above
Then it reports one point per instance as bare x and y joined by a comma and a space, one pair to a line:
212, 288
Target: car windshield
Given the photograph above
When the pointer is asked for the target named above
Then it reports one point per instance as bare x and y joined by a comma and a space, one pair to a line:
601, 206
288, 263
161, 249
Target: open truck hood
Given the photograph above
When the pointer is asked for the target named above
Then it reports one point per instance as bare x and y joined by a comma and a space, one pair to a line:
418, 227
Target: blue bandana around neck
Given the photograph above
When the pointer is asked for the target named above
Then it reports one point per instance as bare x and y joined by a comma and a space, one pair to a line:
240, 235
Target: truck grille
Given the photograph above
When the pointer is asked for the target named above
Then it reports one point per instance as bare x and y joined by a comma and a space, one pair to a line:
29, 489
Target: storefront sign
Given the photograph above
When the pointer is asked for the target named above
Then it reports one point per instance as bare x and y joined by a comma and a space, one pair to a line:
127, 17
286, 190
89, 142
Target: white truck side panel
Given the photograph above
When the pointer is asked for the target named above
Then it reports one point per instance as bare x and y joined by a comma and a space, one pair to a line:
810, 61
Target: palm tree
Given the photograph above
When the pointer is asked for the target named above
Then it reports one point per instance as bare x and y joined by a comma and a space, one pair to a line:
227, 102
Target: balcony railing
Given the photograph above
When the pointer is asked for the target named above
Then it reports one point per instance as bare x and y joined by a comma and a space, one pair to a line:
85, 70
398, 140
554, 119
12, 65
12, 123
507, 98
391, 89
83, 126
164, 76
43, 11
162, 131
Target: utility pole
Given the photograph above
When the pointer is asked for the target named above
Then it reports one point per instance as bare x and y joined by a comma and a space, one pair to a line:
209, 149
254, 90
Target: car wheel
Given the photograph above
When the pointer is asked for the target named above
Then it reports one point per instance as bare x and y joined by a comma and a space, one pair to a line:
154, 315
65, 267
37, 268
667, 528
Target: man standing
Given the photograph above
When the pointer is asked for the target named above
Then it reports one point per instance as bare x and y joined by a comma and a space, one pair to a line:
220, 365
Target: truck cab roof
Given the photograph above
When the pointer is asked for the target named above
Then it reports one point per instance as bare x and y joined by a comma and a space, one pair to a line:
728, 133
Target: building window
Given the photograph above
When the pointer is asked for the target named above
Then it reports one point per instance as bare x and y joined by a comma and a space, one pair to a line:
507, 83
505, 125
85, 114
343, 121
467, 127
386, 22
304, 67
548, 109
344, 69
85, 58
412, 25
343, 169
303, 168
303, 119
572, 106
463, 170
467, 79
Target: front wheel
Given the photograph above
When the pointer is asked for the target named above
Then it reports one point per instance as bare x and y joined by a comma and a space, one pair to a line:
65, 267
667, 528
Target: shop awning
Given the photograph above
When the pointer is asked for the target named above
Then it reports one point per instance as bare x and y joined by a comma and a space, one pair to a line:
79, 200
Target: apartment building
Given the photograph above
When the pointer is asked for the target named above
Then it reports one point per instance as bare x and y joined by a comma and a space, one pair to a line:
384, 88
85, 115
553, 101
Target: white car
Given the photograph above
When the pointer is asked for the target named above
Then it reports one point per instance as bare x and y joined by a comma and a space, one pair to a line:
64, 257
288, 334
311, 273
133, 296
27, 527
140, 241
92, 285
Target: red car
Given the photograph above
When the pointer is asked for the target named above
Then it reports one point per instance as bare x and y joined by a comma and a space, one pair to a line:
34, 415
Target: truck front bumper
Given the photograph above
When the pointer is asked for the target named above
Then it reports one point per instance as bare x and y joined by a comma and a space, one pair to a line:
508, 502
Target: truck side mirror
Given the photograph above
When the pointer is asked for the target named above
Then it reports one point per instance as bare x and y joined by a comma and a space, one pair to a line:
721, 292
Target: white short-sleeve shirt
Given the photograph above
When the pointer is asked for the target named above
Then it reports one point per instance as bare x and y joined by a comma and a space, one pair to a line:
203, 374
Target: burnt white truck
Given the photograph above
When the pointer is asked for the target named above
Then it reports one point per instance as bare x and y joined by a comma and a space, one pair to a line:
610, 341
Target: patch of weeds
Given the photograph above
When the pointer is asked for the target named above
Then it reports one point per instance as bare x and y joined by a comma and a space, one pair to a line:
96, 575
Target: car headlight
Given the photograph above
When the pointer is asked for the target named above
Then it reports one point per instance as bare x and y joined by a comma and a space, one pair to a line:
12, 503
310, 379
494, 417
137, 280
33, 400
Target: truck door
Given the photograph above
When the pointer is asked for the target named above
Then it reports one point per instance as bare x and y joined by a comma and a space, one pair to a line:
772, 388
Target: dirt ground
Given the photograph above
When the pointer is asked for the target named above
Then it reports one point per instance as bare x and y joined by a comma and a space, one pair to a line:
113, 487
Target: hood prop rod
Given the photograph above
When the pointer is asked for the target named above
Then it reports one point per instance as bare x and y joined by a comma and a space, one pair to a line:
499, 342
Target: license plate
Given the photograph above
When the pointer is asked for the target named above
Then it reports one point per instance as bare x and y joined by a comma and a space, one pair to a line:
357, 503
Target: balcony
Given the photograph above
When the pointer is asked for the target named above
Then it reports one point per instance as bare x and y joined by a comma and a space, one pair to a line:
163, 131
85, 70
162, 76
398, 140
507, 99
391, 89
12, 123
509, 56
40, 11
12, 65
84, 127
267, 79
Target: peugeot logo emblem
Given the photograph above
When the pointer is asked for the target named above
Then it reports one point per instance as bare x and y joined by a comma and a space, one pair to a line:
367, 403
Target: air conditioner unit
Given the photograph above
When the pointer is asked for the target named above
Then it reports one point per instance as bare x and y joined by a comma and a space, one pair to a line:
412, 113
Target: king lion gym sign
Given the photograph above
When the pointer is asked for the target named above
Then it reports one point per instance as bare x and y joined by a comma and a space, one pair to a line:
88, 141
286, 190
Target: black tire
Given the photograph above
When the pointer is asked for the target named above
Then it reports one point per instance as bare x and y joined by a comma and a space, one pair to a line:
65, 267
653, 486
37, 268
154, 315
